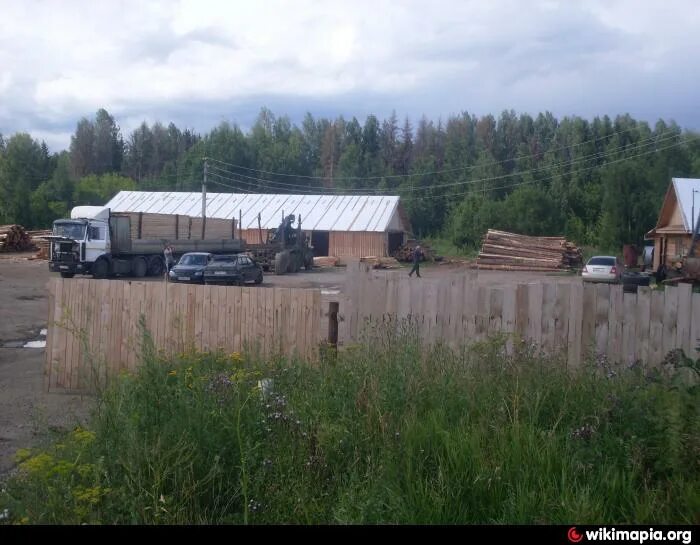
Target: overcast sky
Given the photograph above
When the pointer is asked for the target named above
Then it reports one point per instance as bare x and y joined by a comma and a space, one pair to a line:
198, 63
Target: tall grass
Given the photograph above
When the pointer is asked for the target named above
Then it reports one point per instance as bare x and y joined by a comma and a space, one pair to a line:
387, 431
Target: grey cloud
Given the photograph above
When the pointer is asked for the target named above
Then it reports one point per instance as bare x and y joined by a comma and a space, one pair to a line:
160, 45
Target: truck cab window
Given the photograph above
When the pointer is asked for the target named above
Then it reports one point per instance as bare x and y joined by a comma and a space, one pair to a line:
95, 233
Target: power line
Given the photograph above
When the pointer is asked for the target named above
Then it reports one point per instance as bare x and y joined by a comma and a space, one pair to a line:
615, 161
469, 168
600, 155
518, 184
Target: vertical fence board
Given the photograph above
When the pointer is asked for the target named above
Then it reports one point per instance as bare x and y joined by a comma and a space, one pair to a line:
50, 334
670, 319
535, 294
642, 323
656, 327
685, 292
588, 338
575, 344
602, 306
508, 321
562, 310
695, 326
615, 324
629, 328
549, 295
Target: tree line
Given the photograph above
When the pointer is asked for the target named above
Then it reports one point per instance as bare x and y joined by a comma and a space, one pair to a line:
599, 182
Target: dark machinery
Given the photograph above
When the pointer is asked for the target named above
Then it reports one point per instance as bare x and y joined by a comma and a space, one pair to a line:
285, 250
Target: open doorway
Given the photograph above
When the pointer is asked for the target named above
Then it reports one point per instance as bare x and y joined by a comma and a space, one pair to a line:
320, 242
395, 240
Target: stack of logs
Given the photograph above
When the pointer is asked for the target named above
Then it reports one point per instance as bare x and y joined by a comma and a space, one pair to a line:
377, 262
512, 252
13, 238
40, 243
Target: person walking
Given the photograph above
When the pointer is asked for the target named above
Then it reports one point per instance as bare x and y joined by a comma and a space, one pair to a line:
169, 259
417, 256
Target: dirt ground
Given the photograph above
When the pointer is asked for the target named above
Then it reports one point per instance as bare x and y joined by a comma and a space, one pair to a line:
28, 414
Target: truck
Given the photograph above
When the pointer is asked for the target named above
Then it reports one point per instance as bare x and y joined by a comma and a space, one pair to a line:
97, 242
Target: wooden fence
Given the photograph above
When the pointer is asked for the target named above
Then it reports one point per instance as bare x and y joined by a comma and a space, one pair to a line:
94, 324
564, 318
97, 321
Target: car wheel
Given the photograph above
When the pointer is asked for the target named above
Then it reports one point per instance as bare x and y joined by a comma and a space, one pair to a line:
259, 278
67, 275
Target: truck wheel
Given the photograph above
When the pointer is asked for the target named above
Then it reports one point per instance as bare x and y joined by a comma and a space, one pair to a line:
309, 263
67, 275
156, 267
100, 269
281, 263
139, 267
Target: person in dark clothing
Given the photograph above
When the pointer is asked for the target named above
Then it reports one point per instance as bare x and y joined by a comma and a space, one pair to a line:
417, 256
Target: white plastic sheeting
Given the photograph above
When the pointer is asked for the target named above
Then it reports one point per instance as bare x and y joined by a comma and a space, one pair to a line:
318, 212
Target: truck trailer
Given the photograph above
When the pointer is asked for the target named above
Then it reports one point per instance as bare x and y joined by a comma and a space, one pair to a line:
97, 242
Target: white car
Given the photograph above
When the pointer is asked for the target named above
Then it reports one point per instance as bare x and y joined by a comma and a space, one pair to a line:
602, 268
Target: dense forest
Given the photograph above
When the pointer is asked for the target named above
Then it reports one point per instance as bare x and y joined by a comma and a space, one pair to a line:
598, 182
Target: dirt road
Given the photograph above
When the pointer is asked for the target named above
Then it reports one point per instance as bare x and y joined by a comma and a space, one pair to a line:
28, 414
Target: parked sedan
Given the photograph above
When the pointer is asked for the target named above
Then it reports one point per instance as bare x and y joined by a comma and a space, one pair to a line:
602, 268
190, 268
232, 269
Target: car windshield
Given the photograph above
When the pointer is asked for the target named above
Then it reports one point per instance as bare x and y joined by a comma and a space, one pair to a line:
189, 259
609, 261
224, 258
73, 230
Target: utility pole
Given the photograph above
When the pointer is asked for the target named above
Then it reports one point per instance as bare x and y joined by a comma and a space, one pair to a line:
204, 199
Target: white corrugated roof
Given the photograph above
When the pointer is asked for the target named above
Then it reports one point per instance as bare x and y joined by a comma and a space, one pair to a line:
685, 188
318, 212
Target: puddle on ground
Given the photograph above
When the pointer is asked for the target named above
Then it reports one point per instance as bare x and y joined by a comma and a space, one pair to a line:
39, 343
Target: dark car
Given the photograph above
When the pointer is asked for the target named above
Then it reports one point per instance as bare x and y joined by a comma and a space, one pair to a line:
232, 269
190, 268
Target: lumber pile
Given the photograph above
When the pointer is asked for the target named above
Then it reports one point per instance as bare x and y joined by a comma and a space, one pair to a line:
377, 262
404, 253
513, 252
40, 243
177, 227
13, 238
326, 261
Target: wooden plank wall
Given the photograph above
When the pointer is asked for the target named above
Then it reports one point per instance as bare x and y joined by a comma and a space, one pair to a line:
94, 324
570, 320
357, 244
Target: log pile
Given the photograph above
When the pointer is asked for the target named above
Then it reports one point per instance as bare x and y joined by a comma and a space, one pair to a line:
377, 262
326, 261
40, 243
404, 253
513, 252
13, 238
